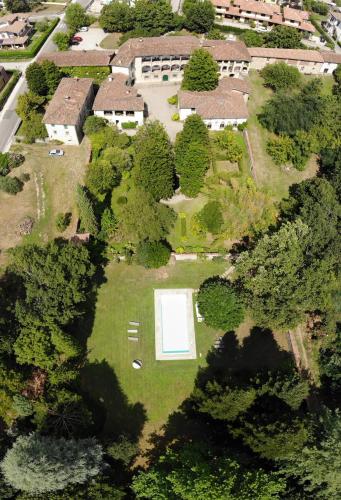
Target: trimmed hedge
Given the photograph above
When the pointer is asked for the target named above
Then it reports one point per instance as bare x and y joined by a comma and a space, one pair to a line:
330, 42
6, 92
32, 49
229, 29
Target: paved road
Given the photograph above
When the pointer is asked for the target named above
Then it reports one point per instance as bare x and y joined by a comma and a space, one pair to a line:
9, 120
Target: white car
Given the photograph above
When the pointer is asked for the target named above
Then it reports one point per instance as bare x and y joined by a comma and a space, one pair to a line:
56, 152
83, 29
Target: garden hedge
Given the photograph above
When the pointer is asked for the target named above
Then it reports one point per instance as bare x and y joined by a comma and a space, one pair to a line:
32, 49
4, 95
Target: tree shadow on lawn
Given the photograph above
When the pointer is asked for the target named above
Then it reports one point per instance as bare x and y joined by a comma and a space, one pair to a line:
114, 415
258, 352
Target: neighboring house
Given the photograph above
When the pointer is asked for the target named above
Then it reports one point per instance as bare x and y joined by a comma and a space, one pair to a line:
333, 25
163, 59
14, 31
226, 105
79, 58
263, 14
4, 77
306, 61
119, 103
68, 108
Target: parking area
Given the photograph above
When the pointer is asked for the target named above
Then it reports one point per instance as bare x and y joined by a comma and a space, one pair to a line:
155, 96
90, 39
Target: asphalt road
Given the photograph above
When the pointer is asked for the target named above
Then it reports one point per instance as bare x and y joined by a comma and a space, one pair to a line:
9, 120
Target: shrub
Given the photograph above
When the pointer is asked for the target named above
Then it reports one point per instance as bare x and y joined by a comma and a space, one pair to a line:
152, 254
242, 126
10, 185
176, 117
62, 40
123, 450
280, 76
211, 217
62, 221
24, 177
6, 92
4, 164
219, 304
93, 124
15, 160
128, 125
173, 100
122, 200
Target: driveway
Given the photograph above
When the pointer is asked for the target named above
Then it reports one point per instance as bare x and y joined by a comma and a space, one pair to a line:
155, 96
91, 39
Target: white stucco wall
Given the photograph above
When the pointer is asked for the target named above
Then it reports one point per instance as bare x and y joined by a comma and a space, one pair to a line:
119, 119
68, 134
213, 124
310, 68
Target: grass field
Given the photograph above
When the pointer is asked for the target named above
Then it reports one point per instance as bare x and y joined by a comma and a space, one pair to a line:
269, 175
110, 41
160, 386
49, 191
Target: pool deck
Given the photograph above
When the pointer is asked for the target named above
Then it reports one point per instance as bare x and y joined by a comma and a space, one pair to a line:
180, 320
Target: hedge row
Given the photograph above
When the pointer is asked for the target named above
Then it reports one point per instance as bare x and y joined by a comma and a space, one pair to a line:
4, 95
330, 42
230, 29
32, 49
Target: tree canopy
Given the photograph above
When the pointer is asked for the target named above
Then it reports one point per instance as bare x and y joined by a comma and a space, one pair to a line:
201, 72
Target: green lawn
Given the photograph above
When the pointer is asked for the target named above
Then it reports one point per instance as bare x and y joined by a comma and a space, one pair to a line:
160, 386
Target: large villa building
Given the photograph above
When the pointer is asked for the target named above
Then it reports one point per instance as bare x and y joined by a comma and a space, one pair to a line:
158, 59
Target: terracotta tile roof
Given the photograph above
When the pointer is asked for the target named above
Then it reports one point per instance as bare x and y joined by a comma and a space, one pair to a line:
253, 6
16, 27
68, 101
223, 50
15, 40
178, 45
226, 101
154, 46
79, 58
114, 94
295, 15
331, 57
10, 18
306, 26
287, 54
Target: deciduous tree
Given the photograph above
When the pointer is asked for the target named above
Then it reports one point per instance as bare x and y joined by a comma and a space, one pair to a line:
280, 76
201, 72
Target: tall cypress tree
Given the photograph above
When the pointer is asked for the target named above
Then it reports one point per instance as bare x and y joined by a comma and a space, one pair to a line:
201, 72
154, 161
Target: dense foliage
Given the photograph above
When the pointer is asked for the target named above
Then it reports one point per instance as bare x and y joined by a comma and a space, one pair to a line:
201, 72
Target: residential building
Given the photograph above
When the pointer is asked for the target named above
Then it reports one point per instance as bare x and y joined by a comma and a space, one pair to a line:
331, 61
226, 105
79, 58
262, 14
119, 103
4, 77
333, 25
14, 31
68, 108
306, 61
163, 59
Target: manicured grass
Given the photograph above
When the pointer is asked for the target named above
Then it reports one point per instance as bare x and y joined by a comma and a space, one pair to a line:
269, 175
160, 386
98, 73
110, 41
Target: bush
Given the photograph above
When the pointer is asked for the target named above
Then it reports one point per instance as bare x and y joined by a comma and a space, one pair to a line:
24, 177
173, 100
122, 200
219, 304
252, 38
93, 124
242, 126
62, 221
42, 25
123, 450
281, 76
6, 92
128, 125
4, 164
62, 40
152, 254
10, 185
211, 217
15, 160
176, 117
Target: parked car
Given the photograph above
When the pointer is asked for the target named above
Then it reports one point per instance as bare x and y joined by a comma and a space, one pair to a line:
56, 152
77, 39
83, 29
